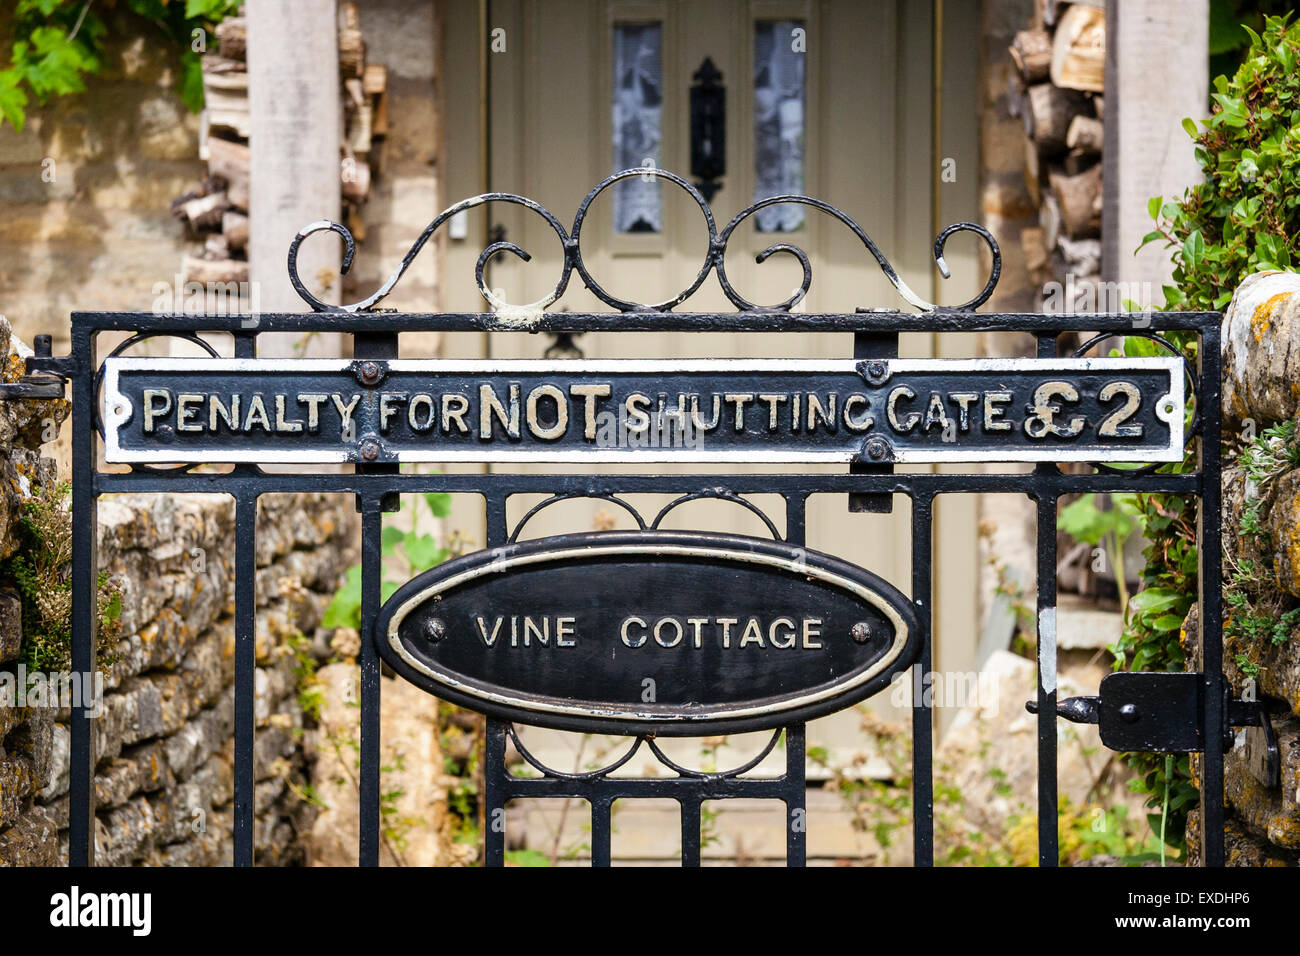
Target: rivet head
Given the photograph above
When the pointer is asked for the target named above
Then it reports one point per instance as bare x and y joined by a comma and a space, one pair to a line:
877, 372
369, 373
369, 449
877, 449
1129, 713
861, 632
434, 629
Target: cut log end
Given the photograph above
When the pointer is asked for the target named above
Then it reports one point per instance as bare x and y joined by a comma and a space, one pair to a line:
1080, 201
1031, 52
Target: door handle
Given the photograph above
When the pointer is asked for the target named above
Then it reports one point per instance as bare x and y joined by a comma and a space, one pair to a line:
708, 129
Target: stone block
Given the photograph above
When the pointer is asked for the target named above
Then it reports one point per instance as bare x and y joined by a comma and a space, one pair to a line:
11, 625
1261, 349
21, 149
17, 784
33, 840
1273, 814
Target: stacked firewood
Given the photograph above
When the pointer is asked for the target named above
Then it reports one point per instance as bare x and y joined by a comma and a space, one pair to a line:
1057, 91
215, 211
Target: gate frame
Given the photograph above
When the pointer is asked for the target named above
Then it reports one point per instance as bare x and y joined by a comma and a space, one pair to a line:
1202, 721
375, 335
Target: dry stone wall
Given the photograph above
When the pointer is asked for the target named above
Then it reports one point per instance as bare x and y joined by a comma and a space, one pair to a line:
163, 783
164, 744
1261, 388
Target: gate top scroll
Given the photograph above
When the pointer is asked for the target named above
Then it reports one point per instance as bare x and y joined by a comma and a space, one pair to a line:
714, 258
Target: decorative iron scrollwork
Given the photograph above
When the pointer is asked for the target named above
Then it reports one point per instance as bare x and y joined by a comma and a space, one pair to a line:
571, 243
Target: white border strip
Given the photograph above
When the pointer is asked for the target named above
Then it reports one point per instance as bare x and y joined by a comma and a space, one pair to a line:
117, 410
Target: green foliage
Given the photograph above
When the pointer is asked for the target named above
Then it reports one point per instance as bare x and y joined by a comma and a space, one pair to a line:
1257, 610
311, 695
527, 858
58, 43
1083, 832
1153, 640
419, 551
1229, 22
1110, 528
1245, 215
883, 807
42, 570
1084, 521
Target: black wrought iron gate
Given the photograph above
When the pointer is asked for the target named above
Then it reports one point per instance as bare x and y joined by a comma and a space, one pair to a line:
1192, 712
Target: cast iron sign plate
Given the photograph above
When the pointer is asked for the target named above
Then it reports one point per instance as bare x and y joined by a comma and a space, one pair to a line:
657, 632
761, 410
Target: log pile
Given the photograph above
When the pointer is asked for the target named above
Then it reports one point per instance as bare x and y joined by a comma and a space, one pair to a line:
215, 211
1058, 93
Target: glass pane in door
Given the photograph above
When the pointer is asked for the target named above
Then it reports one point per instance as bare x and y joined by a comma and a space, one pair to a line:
637, 123
778, 120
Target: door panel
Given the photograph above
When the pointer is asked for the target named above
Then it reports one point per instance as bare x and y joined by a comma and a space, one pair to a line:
866, 141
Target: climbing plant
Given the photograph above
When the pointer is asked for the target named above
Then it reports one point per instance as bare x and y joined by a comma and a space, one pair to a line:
1243, 217
56, 44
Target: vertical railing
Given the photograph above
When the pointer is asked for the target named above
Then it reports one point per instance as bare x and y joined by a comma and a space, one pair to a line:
1210, 558
922, 711
372, 558
1045, 651
378, 346
85, 592
796, 802
245, 673
496, 533
1045, 656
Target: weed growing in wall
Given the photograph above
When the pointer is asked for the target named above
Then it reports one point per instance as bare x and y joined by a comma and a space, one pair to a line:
42, 570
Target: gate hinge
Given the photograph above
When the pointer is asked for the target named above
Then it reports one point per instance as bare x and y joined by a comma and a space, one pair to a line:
45, 375
1161, 713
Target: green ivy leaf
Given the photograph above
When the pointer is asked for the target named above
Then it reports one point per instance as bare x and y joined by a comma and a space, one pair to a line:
54, 65
390, 538
190, 83
1232, 111
13, 101
423, 551
1194, 249
46, 7
439, 503
1151, 600
345, 608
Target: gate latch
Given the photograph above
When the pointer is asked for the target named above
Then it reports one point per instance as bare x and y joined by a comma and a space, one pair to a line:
1161, 713
42, 381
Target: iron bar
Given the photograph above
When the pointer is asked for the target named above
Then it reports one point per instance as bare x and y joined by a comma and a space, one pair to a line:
245, 674
796, 801
1210, 558
1045, 654
1119, 323
690, 831
606, 484
372, 559
85, 574
496, 793
922, 670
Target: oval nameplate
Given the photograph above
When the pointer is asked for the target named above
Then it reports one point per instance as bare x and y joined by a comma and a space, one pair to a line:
658, 632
